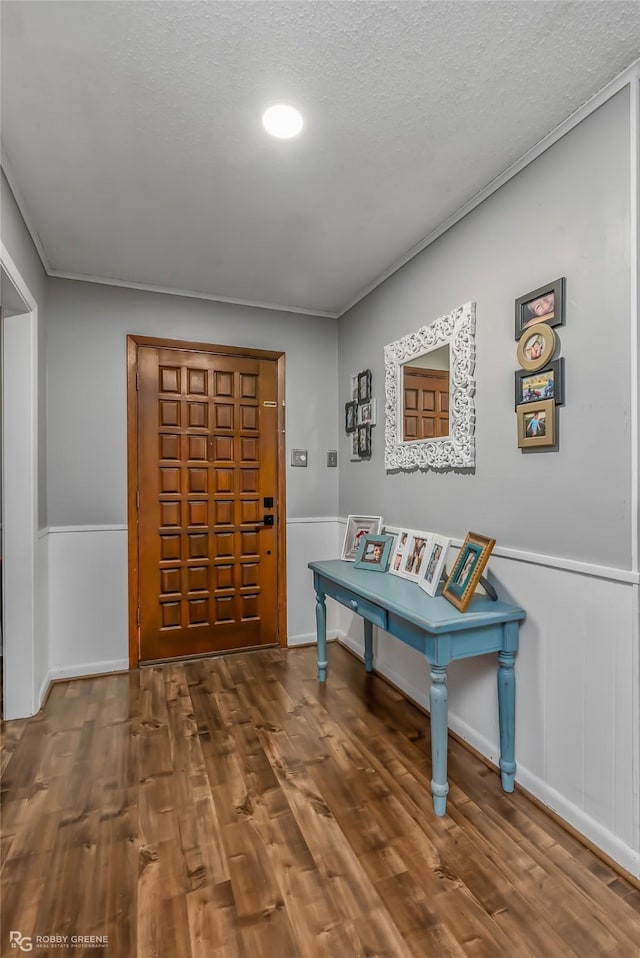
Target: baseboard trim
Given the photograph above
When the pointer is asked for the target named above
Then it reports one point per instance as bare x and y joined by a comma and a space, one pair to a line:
87, 670
43, 695
590, 833
309, 638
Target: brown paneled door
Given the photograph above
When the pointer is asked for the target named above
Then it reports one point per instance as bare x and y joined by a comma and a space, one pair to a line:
207, 501
426, 403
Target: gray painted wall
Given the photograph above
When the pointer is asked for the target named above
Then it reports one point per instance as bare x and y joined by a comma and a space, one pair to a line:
566, 214
86, 368
24, 254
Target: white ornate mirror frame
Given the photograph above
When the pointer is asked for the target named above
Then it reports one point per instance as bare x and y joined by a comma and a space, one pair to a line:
457, 450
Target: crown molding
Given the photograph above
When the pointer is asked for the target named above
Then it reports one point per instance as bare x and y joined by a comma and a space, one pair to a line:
187, 293
7, 169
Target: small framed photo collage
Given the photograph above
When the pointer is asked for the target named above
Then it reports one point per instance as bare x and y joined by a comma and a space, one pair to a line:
539, 383
420, 557
360, 415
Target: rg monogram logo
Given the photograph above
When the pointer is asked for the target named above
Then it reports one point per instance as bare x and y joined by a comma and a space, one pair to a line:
20, 941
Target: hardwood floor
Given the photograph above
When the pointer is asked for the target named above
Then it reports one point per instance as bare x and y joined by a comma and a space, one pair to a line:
233, 808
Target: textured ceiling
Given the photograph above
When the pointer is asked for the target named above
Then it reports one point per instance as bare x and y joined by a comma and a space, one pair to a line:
131, 130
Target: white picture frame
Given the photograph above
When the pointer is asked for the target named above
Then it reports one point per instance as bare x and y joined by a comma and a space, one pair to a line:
418, 547
433, 564
358, 526
408, 554
366, 413
398, 552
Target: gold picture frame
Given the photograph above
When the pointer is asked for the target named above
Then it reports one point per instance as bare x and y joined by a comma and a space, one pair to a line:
536, 347
536, 423
467, 569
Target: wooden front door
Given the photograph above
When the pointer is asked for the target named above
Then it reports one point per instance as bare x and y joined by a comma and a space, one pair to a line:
426, 403
208, 497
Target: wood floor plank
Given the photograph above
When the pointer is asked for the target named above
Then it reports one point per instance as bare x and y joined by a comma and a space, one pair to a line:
232, 807
10, 735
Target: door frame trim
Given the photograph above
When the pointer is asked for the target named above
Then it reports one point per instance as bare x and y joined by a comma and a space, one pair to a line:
133, 344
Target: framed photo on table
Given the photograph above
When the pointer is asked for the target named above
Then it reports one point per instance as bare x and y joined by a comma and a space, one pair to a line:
467, 569
433, 564
374, 553
415, 549
398, 551
357, 527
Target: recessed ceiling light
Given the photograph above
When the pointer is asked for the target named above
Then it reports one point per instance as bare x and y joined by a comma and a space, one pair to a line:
282, 121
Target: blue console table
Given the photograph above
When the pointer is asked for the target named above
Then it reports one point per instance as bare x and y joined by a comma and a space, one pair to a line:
442, 634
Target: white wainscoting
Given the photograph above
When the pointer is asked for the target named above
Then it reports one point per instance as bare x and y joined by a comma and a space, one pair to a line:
308, 540
41, 643
88, 602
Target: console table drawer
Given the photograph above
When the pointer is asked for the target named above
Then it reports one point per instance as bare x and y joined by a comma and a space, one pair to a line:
368, 610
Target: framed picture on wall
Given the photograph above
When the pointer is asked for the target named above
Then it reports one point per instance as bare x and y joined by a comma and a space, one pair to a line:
536, 347
364, 442
547, 383
364, 386
542, 305
467, 569
536, 424
350, 412
367, 413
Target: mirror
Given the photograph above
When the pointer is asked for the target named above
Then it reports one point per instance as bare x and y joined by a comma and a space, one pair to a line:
425, 396
447, 348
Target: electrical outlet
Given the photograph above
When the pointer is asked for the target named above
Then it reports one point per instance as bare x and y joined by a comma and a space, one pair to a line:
332, 457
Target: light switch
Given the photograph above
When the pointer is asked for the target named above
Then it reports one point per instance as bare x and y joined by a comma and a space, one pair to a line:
332, 457
299, 457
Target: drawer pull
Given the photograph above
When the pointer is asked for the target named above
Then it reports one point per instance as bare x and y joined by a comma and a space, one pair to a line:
354, 605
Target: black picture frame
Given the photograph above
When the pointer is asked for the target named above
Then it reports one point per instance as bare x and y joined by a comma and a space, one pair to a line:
364, 386
528, 306
547, 383
364, 442
350, 416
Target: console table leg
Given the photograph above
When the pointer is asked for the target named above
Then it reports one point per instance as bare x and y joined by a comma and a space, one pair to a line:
507, 718
368, 645
438, 703
321, 633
